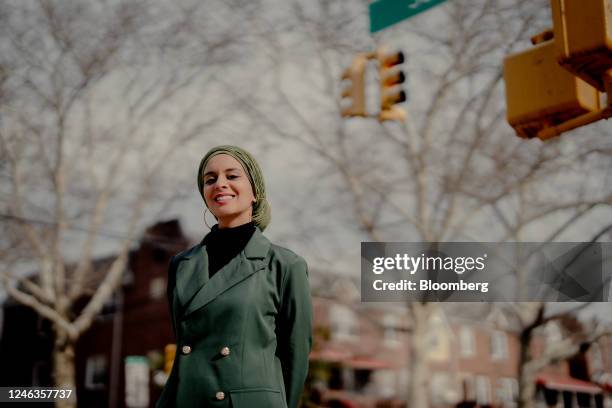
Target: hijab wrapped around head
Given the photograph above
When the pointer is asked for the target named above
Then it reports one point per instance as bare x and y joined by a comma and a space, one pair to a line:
261, 208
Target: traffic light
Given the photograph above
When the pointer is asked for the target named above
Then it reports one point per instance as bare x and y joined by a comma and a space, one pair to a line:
541, 95
353, 94
390, 78
554, 87
583, 36
169, 355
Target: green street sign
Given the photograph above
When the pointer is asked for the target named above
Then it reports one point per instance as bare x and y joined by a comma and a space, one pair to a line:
384, 13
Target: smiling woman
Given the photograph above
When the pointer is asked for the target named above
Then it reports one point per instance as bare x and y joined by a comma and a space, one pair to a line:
240, 305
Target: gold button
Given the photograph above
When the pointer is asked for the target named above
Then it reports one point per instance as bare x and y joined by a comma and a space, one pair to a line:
225, 351
186, 349
220, 395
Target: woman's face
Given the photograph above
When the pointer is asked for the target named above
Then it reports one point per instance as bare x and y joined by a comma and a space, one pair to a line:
227, 191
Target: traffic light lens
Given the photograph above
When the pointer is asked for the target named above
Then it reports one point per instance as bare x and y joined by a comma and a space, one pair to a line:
401, 97
390, 77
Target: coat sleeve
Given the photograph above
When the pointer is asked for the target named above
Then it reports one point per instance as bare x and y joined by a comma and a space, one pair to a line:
295, 335
166, 399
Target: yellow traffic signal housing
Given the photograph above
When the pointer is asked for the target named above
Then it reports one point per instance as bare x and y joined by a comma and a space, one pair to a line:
583, 37
169, 355
541, 94
354, 89
390, 78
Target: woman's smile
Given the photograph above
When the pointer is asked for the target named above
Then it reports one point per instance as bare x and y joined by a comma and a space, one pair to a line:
223, 198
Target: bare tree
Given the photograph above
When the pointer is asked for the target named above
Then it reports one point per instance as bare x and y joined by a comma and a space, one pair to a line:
95, 98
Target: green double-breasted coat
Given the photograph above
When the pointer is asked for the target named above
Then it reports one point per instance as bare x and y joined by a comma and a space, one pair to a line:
243, 337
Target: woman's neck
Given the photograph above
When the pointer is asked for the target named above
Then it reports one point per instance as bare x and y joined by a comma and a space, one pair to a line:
226, 229
233, 223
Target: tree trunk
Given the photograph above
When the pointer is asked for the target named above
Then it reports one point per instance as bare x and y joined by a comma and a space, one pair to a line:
526, 381
418, 392
63, 369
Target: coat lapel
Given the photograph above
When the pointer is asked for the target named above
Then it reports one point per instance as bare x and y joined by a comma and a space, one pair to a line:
191, 273
204, 291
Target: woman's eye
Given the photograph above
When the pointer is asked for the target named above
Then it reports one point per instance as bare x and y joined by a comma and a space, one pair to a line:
232, 176
209, 181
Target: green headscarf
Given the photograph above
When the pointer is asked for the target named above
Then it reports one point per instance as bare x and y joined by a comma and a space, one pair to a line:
261, 208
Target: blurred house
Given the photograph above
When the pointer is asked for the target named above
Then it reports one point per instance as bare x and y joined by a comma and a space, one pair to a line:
360, 353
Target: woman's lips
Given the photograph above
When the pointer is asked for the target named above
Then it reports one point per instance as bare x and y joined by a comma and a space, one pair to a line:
221, 200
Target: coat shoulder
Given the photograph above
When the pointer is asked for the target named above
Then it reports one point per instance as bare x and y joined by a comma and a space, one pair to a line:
187, 252
284, 255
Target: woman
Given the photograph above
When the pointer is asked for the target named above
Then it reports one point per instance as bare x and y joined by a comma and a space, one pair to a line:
240, 306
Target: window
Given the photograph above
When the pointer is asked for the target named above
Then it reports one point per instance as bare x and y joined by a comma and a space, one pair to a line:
362, 380
437, 341
553, 334
160, 256
403, 381
507, 391
335, 379
390, 336
483, 390
467, 392
96, 373
385, 383
432, 337
597, 362
157, 288
499, 346
439, 389
466, 341
343, 323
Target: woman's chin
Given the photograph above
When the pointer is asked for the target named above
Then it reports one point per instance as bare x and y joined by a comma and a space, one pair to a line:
225, 216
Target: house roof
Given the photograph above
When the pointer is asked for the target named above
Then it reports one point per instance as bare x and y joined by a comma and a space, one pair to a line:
567, 383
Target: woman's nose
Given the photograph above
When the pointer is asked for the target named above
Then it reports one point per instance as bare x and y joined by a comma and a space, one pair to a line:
221, 182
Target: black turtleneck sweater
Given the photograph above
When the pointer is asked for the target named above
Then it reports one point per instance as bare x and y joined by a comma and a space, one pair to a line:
224, 244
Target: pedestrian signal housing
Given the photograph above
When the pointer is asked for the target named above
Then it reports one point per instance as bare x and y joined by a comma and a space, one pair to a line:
540, 94
353, 93
583, 38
